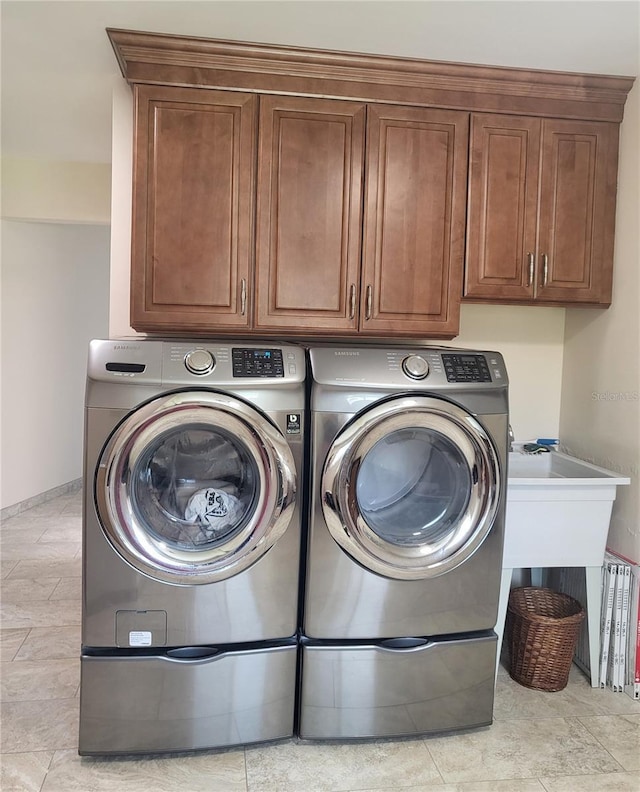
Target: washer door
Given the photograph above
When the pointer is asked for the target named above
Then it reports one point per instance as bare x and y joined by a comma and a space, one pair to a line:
194, 487
410, 488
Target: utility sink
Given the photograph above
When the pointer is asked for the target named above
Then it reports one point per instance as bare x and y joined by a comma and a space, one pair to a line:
557, 469
558, 510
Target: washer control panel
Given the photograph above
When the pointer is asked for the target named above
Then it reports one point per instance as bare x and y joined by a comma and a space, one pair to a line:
253, 362
199, 361
466, 368
415, 366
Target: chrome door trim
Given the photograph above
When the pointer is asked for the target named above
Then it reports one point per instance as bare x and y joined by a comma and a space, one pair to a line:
339, 503
276, 491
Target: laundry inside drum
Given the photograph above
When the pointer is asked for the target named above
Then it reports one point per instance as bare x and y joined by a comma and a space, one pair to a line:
195, 487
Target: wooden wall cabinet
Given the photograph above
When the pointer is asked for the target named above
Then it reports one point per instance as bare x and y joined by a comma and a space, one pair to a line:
309, 214
283, 190
193, 198
414, 221
541, 210
314, 275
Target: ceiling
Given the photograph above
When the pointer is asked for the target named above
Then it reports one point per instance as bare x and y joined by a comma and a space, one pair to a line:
58, 68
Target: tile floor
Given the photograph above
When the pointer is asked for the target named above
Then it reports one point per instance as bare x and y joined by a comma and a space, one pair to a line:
577, 739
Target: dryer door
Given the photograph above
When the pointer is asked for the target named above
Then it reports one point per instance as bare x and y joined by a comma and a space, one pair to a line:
194, 487
411, 487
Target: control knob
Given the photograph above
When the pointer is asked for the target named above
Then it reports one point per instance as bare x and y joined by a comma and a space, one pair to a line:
199, 361
415, 366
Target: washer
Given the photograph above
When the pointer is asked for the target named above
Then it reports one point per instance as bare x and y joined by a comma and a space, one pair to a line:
408, 479
191, 541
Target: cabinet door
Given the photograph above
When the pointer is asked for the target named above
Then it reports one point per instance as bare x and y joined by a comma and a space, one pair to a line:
193, 208
414, 221
309, 213
503, 201
577, 211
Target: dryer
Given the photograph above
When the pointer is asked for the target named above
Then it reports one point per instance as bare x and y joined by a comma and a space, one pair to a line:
191, 544
408, 478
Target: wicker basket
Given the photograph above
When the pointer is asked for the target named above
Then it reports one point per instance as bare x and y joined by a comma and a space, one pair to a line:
542, 631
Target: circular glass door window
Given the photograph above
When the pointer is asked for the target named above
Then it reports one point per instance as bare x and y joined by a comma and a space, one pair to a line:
194, 487
411, 487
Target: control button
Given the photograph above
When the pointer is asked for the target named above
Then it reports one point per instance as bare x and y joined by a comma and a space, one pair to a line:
199, 361
415, 367
292, 368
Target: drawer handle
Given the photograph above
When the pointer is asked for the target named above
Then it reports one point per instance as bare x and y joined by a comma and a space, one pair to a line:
403, 644
369, 299
193, 653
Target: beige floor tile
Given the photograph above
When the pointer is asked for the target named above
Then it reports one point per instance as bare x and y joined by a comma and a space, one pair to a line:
73, 506
512, 785
24, 772
6, 567
579, 698
620, 735
611, 782
26, 590
520, 749
68, 589
70, 531
19, 535
291, 767
10, 643
48, 507
34, 551
39, 680
46, 613
50, 643
39, 725
210, 772
41, 518
50, 568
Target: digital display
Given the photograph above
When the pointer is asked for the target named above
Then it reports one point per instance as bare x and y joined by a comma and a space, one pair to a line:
466, 368
249, 362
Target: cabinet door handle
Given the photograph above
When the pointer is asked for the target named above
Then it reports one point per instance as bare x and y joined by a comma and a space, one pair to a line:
545, 269
532, 259
369, 298
243, 297
352, 301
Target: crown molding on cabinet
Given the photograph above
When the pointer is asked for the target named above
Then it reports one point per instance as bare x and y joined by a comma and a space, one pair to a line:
165, 59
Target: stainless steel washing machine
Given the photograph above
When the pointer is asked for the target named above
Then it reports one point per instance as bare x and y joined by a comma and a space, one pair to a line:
408, 479
191, 540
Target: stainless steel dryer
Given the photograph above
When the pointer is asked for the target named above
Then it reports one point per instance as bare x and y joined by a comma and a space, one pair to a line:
191, 542
408, 478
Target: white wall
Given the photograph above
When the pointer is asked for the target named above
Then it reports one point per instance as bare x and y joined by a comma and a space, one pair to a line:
55, 282
531, 341
600, 415
67, 192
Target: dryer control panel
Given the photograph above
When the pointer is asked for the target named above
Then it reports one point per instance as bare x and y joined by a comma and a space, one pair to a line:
432, 368
252, 362
466, 368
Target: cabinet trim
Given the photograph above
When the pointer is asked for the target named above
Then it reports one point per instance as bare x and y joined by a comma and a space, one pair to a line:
211, 63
